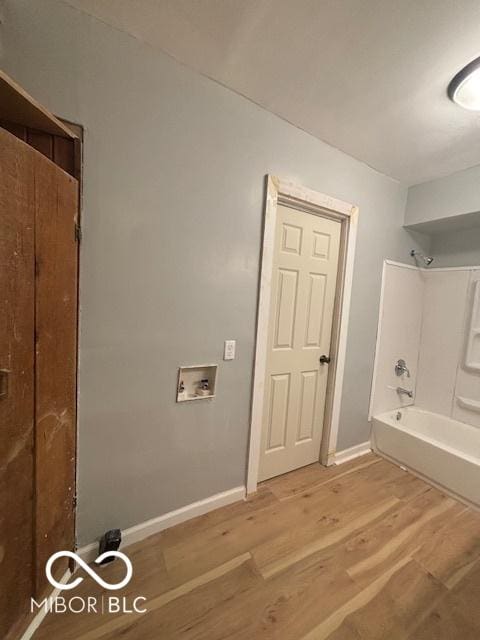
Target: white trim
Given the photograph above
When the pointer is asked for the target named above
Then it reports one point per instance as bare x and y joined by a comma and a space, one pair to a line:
304, 194
38, 619
278, 188
88, 553
139, 532
353, 452
342, 339
262, 330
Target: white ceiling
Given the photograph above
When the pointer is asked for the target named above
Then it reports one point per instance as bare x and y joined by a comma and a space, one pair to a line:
367, 76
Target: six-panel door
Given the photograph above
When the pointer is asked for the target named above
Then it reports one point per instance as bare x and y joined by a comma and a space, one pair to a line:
304, 281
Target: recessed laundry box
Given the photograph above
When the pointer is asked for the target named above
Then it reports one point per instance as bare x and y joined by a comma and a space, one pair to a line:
196, 382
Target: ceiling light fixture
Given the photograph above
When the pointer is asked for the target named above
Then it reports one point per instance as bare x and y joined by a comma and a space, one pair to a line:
464, 89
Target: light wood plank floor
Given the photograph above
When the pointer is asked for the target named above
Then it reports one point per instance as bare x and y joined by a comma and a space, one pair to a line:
359, 551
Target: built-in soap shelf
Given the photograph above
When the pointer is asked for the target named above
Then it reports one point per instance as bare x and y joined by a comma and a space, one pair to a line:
467, 403
196, 382
472, 352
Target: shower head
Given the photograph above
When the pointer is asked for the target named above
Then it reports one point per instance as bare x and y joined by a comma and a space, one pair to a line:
427, 260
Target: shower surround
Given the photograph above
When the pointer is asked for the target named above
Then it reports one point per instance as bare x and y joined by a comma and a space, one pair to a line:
431, 319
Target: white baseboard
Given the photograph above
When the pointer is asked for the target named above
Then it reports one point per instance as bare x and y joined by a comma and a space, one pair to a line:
38, 619
141, 531
353, 452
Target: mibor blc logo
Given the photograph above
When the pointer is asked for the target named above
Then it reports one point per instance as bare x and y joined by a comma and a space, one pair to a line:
89, 604
89, 570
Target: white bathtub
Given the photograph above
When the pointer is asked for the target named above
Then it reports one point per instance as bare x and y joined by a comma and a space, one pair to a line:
442, 450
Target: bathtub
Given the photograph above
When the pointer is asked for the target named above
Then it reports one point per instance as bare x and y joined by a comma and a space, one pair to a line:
442, 450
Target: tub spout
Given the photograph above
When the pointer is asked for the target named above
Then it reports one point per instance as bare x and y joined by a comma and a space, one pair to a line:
405, 392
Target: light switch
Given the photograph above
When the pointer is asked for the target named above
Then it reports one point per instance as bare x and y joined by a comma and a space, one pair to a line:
229, 350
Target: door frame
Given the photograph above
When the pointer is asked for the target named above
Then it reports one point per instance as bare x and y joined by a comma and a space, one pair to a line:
280, 191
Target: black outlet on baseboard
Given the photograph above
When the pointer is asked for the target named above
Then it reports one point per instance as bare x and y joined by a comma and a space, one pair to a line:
110, 541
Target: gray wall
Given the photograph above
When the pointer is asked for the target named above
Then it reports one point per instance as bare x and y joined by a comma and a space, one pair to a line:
449, 209
173, 202
445, 198
456, 249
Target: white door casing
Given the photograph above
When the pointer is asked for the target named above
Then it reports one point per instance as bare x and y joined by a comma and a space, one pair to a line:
304, 281
280, 191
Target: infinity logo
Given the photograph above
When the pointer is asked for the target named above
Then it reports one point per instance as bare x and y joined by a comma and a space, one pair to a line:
89, 570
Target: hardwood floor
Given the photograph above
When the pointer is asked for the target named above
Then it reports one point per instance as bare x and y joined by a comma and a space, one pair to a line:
362, 551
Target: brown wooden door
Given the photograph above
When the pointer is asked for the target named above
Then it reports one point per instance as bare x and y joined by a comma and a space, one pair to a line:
55, 364
38, 320
17, 327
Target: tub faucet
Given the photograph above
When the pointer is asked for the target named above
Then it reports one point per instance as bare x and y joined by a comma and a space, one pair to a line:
405, 392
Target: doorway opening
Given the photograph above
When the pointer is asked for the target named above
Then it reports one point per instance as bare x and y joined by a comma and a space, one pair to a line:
304, 300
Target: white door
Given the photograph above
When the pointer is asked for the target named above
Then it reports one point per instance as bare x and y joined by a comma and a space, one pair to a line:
304, 282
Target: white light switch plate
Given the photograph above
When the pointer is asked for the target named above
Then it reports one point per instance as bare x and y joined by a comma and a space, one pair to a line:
229, 350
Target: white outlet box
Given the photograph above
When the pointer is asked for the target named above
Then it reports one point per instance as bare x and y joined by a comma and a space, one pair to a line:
229, 350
